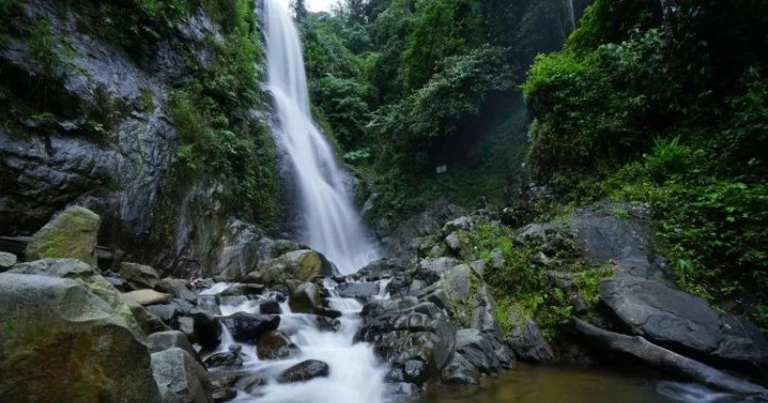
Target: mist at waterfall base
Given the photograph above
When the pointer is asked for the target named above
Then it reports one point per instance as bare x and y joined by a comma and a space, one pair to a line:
331, 224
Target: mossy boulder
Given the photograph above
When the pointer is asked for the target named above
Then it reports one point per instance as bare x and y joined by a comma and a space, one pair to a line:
71, 234
296, 267
88, 277
7, 260
57, 339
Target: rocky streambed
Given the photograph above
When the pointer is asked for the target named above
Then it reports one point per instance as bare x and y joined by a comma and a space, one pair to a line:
412, 327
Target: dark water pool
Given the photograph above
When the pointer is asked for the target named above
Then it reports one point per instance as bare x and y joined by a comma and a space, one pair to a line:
546, 384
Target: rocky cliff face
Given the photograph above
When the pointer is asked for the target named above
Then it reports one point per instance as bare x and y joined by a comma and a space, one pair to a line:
86, 121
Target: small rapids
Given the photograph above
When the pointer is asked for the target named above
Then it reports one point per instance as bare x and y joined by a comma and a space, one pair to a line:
356, 375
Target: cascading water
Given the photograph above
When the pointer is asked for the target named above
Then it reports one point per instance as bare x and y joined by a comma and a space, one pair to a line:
331, 223
332, 226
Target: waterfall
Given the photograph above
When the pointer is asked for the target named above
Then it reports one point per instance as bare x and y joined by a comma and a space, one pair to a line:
331, 224
571, 14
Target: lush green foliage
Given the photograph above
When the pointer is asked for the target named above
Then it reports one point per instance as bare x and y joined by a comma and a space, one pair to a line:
408, 85
138, 23
522, 284
221, 139
667, 108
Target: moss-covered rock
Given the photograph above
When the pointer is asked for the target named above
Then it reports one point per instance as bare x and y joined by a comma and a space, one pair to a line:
297, 266
59, 339
71, 234
87, 276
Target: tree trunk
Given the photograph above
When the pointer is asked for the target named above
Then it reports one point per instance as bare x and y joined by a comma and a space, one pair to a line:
649, 353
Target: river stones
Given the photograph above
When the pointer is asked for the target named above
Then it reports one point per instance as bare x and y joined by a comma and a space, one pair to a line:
246, 327
55, 324
70, 234
305, 299
206, 329
138, 276
304, 371
274, 345
361, 291
406, 329
270, 307
226, 359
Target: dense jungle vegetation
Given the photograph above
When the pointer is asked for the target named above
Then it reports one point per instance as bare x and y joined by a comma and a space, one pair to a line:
664, 102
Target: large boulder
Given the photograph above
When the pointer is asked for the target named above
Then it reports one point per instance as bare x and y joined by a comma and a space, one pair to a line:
71, 234
526, 340
59, 339
683, 323
620, 233
138, 276
178, 288
297, 267
246, 327
305, 299
167, 340
87, 276
178, 373
478, 349
406, 331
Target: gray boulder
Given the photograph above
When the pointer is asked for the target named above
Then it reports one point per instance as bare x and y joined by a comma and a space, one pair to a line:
460, 372
683, 323
305, 299
527, 342
478, 349
7, 260
176, 287
177, 373
304, 371
274, 345
228, 359
620, 233
246, 327
361, 291
167, 340
138, 276
56, 324
404, 331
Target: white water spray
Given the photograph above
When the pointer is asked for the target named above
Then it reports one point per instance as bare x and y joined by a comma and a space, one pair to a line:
331, 223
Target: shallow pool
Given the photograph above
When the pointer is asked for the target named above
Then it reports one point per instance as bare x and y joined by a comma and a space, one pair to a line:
552, 384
